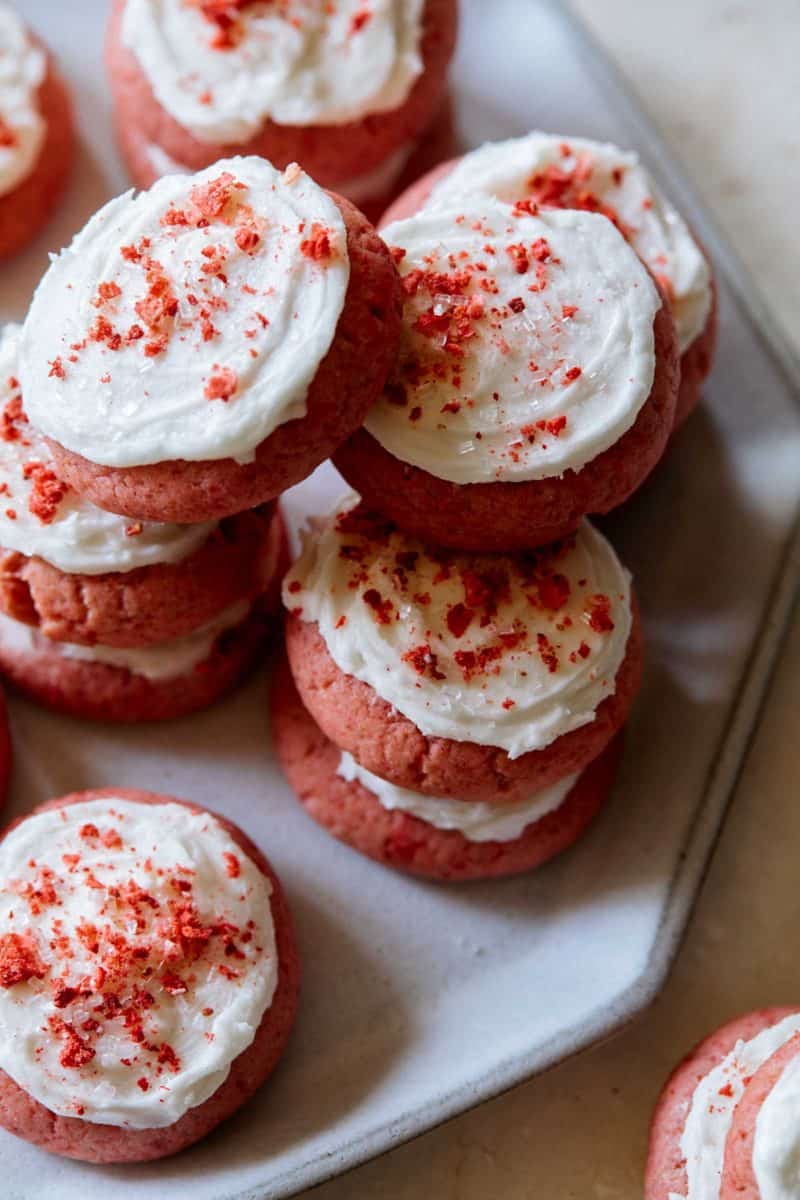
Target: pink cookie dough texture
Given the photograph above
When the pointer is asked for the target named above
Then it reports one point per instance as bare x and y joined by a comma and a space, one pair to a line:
351, 813
28, 207
666, 1169
353, 716
75, 1138
331, 154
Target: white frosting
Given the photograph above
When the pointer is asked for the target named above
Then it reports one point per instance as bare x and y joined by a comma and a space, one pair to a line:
587, 172
77, 537
360, 189
56, 875
776, 1147
528, 345
477, 821
713, 1104
22, 127
503, 651
220, 303
158, 663
298, 62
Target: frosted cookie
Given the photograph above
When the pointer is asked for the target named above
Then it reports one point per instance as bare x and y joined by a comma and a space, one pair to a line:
148, 974
348, 90
726, 1124
36, 133
371, 192
536, 380
156, 682
483, 677
84, 575
449, 839
202, 346
576, 173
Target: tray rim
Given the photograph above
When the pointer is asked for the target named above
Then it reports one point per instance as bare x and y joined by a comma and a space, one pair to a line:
739, 733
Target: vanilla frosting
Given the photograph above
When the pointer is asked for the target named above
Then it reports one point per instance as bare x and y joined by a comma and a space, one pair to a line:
297, 62
503, 821
137, 959
187, 322
712, 1108
581, 173
528, 345
40, 516
158, 663
503, 651
22, 127
776, 1146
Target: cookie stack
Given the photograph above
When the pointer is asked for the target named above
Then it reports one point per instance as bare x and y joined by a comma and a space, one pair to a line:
196, 350
463, 645
355, 92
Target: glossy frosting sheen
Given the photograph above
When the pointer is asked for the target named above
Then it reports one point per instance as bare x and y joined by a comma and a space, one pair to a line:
128, 1006
711, 1114
40, 516
157, 663
295, 62
507, 652
528, 345
598, 177
188, 321
476, 821
22, 127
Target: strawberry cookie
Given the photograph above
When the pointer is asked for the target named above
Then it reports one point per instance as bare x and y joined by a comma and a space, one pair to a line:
726, 1126
202, 346
486, 678
148, 975
85, 575
36, 134
351, 90
552, 171
536, 380
442, 838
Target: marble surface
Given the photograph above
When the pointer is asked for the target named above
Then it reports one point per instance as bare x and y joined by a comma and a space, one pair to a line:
719, 78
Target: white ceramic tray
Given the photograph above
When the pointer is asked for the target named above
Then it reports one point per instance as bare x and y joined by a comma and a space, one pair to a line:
422, 1000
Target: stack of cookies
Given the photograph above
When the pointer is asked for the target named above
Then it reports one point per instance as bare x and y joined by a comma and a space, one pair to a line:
463, 645
355, 92
197, 349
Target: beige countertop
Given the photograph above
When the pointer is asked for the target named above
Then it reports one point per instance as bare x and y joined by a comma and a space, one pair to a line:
719, 78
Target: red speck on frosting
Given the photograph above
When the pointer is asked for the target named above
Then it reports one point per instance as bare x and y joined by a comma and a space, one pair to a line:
318, 246
222, 383
19, 960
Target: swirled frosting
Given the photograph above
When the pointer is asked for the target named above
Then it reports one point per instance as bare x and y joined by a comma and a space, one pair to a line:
528, 345
222, 71
22, 126
41, 516
598, 177
187, 322
499, 650
137, 958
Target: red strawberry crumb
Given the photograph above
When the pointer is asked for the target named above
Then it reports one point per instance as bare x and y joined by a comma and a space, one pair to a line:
19, 960
222, 384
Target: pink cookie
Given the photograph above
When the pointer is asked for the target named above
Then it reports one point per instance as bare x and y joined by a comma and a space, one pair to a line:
118, 685
349, 379
666, 1169
28, 206
697, 358
239, 561
331, 153
349, 811
356, 719
89, 1141
517, 516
